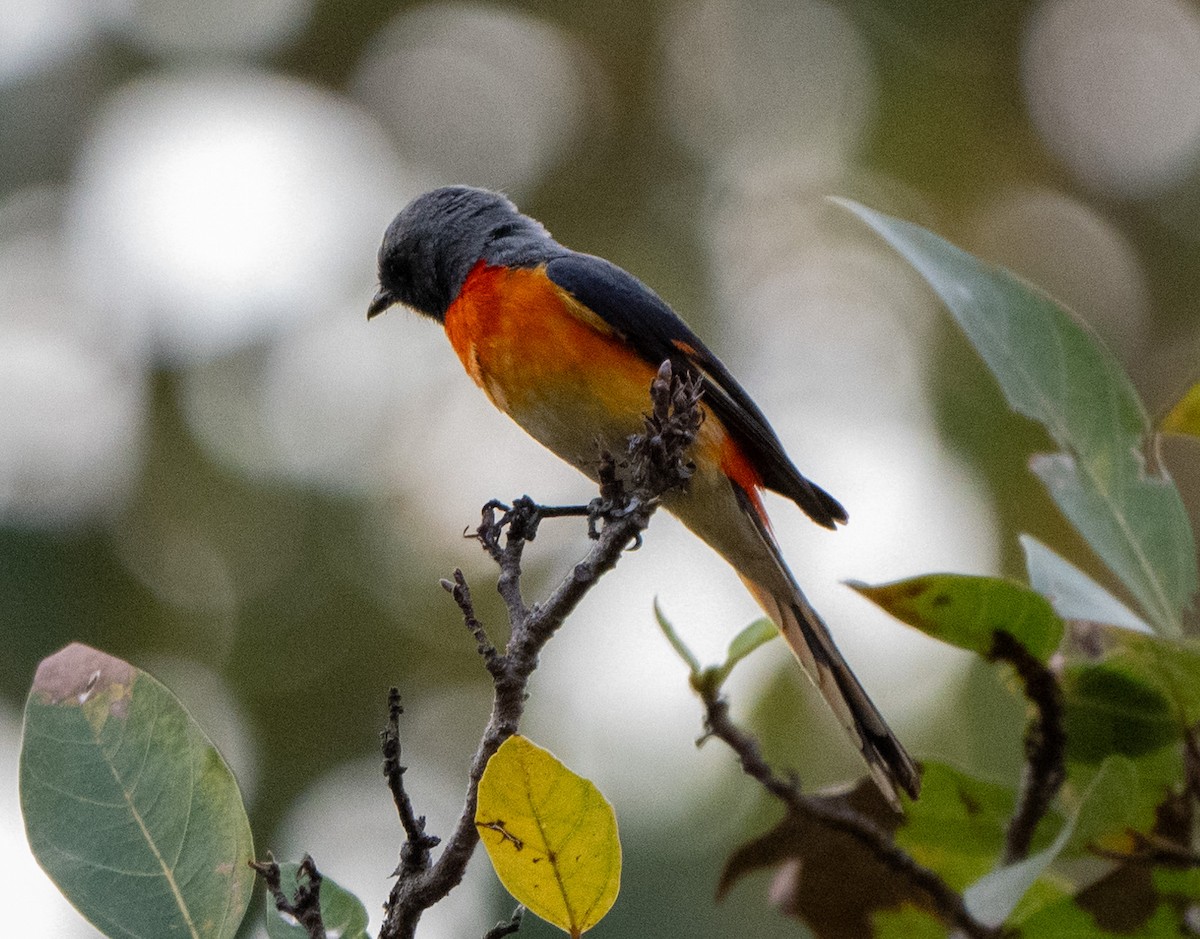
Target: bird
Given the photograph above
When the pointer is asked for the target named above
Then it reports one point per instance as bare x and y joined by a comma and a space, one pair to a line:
567, 344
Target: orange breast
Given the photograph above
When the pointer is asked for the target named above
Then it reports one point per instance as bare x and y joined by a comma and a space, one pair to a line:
546, 360
560, 372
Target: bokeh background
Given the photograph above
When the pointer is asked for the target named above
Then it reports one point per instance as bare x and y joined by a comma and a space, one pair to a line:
212, 465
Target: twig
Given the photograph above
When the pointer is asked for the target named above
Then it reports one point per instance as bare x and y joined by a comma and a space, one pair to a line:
507, 928
305, 906
836, 815
1151, 850
1169, 842
1045, 745
1191, 764
492, 660
521, 521
656, 463
415, 852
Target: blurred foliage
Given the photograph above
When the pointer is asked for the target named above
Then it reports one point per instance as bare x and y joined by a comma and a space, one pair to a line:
1112, 713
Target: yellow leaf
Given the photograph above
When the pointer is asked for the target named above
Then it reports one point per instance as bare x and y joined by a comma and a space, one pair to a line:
551, 835
1184, 418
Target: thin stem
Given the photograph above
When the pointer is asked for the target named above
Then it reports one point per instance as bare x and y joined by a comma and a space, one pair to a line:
415, 852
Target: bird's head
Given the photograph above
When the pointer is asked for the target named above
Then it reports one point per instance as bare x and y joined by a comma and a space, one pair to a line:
433, 243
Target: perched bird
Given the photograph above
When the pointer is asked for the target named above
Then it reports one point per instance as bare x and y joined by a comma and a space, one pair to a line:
567, 345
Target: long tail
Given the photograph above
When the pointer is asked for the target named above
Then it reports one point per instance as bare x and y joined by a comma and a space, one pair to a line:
810, 641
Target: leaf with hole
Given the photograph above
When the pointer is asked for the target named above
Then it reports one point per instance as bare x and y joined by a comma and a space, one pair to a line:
957, 826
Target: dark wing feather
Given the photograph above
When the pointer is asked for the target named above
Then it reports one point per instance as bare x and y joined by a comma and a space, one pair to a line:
652, 328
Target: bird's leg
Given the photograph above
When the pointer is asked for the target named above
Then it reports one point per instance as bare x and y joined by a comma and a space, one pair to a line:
526, 515
490, 528
657, 462
613, 502
521, 520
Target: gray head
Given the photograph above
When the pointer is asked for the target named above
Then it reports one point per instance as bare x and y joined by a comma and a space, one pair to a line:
433, 243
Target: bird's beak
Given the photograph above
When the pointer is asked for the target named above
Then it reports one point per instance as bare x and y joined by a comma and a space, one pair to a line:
382, 301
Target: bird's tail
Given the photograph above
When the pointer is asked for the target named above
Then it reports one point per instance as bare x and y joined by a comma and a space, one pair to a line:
808, 636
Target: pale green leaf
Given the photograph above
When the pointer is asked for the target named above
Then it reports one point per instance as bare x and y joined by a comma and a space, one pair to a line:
1073, 594
677, 643
758, 633
1051, 367
128, 806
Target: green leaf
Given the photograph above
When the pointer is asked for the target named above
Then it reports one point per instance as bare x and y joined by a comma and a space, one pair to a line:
758, 633
1128, 903
957, 827
342, 912
1184, 418
551, 836
907, 922
993, 897
128, 806
709, 680
1169, 669
680, 647
1128, 694
967, 611
1065, 920
1109, 710
1052, 368
1071, 592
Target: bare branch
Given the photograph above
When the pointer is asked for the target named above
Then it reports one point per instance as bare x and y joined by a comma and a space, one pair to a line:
305, 906
1045, 745
415, 852
656, 463
509, 927
492, 660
